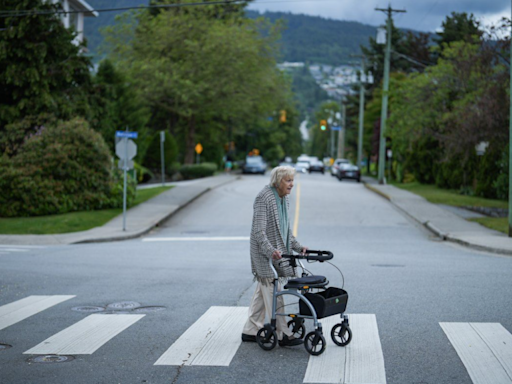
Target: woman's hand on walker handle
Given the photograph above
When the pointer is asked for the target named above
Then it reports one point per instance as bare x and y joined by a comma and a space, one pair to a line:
276, 255
304, 250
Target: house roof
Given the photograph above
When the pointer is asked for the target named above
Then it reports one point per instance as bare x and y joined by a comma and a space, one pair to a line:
82, 6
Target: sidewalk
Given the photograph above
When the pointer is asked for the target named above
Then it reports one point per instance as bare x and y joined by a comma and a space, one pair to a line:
139, 220
443, 222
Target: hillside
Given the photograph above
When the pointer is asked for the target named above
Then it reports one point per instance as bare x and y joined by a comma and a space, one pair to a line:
306, 38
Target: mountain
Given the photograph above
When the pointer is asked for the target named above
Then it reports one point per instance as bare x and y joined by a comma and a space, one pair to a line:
315, 39
306, 38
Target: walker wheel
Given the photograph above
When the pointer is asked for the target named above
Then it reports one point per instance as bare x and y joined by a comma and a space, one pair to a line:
341, 334
315, 343
266, 338
297, 327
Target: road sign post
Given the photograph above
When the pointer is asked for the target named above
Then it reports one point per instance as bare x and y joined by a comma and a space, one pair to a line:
126, 150
162, 140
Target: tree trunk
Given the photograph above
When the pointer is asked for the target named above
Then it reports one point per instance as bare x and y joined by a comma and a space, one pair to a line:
190, 141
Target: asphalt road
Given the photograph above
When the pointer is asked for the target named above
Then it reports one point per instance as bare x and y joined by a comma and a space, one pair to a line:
392, 268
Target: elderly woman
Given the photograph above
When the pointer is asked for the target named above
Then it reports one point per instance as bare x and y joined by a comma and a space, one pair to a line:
270, 238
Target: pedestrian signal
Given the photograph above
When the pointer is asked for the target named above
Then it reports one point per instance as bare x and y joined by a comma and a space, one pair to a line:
323, 125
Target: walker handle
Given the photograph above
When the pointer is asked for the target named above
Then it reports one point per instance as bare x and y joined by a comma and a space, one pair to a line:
320, 256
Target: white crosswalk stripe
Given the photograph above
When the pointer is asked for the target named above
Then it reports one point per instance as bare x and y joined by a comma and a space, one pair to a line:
86, 336
360, 362
16, 249
19, 310
485, 350
212, 340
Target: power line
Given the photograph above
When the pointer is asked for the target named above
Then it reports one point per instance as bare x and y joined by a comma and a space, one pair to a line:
22, 13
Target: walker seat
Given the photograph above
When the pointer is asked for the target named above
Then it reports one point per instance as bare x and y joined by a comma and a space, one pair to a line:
313, 281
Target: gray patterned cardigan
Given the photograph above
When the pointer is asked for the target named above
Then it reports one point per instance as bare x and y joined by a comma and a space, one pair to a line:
266, 237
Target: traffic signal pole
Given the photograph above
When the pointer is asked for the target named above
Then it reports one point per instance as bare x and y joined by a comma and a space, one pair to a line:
385, 93
361, 115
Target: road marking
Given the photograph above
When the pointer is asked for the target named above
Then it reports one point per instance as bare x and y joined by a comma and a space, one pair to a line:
485, 350
19, 310
360, 362
297, 210
212, 340
86, 336
22, 246
229, 238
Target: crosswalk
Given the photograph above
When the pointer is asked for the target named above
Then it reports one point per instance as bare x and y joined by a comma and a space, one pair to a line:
17, 249
485, 349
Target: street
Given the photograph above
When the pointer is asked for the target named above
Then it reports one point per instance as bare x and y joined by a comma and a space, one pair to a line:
397, 274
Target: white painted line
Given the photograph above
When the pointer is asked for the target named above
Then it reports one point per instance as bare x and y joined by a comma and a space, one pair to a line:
86, 336
15, 250
212, 340
19, 310
228, 238
22, 246
360, 362
483, 350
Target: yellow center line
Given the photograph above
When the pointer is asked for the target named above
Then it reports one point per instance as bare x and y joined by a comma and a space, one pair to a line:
297, 209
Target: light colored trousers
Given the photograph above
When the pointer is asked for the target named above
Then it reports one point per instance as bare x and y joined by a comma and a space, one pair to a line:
261, 305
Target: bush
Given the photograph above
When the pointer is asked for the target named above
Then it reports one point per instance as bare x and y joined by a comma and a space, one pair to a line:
195, 171
62, 168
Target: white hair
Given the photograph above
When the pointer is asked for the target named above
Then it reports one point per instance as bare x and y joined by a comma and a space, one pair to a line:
279, 173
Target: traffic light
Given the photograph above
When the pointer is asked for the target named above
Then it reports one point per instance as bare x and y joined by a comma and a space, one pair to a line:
323, 125
282, 116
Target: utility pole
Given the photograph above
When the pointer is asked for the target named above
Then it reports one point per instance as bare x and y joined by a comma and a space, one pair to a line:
342, 132
510, 158
385, 92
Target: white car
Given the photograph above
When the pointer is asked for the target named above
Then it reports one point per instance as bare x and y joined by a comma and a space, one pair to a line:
302, 166
336, 166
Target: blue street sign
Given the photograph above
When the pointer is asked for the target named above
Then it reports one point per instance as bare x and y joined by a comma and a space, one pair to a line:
335, 128
130, 135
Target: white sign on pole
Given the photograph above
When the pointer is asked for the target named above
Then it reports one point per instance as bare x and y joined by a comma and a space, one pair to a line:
130, 150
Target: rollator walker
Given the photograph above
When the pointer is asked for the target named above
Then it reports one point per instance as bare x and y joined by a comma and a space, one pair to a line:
316, 301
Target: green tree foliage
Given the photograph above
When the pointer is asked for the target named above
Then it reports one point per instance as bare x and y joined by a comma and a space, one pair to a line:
60, 168
458, 27
457, 104
42, 71
116, 105
307, 92
153, 160
320, 140
200, 69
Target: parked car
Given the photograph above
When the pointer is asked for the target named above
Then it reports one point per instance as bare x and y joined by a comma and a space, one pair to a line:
349, 171
336, 166
254, 164
316, 166
302, 166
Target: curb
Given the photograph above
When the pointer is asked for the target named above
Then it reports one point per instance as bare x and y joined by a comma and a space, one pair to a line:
148, 229
441, 234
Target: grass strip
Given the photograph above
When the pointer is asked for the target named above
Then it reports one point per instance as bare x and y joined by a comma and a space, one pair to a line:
496, 223
71, 221
450, 197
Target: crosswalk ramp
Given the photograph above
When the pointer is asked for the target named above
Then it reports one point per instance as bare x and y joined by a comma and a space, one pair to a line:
485, 349
18, 249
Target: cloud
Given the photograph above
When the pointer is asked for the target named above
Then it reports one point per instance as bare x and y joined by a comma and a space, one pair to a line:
426, 15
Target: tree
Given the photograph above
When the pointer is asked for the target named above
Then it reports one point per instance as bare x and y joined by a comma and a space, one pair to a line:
200, 70
458, 27
42, 70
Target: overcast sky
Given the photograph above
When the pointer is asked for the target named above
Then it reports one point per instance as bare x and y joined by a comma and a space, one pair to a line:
422, 15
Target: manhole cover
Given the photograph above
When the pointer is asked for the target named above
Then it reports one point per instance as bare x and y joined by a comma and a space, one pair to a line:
388, 265
88, 309
5, 346
148, 309
47, 359
124, 305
